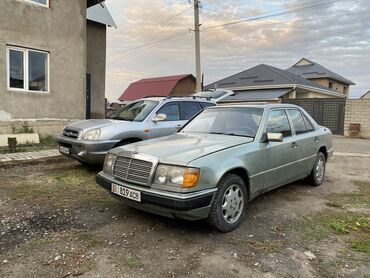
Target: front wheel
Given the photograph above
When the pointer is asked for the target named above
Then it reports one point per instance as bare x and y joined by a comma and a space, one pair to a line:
229, 204
317, 174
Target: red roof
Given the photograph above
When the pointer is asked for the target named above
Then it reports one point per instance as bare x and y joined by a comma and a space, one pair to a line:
159, 86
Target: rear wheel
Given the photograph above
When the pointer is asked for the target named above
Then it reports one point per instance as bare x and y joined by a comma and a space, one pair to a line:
317, 174
229, 205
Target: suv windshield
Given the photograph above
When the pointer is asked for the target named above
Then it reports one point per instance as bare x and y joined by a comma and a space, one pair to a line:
135, 112
211, 94
237, 121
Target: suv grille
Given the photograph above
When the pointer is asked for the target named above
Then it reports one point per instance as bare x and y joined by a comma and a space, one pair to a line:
133, 170
70, 133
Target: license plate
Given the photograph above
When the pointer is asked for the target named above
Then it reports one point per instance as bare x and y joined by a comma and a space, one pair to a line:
126, 192
64, 150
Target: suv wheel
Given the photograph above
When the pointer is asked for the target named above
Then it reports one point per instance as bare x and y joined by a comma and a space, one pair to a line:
229, 204
317, 174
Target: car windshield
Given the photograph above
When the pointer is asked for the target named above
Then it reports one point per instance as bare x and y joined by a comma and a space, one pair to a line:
236, 121
135, 112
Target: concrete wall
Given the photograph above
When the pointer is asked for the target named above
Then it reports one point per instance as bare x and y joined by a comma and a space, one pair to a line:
337, 86
42, 127
96, 61
59, 30
358, 112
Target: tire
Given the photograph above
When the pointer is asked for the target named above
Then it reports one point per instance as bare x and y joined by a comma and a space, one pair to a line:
222, 219
317, 174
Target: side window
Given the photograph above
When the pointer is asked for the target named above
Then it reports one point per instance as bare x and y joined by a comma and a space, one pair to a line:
277, 122
309, 126
171, 110
206, 104
297, 121
188, 109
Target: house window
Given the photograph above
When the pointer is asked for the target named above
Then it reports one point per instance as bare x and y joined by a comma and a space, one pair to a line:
28, 70
40, 2
331, 85
345, 90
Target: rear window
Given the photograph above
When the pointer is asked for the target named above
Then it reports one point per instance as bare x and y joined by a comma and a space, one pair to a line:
206, 104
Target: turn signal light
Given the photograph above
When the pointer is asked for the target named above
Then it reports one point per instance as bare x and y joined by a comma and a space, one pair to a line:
191, 177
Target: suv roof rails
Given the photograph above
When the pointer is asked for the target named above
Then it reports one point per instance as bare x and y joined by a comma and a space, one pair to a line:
193, 97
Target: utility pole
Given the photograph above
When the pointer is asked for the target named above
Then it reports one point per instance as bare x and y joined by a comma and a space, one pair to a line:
197, 46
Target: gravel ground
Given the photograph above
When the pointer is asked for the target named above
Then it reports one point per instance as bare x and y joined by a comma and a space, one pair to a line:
55, 222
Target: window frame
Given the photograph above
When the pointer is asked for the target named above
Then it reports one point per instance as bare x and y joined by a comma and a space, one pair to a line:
26, 84
169, 103
303, 119
47, 5
286, 115
182, 111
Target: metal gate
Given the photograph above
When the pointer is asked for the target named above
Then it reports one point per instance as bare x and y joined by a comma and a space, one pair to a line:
327, 112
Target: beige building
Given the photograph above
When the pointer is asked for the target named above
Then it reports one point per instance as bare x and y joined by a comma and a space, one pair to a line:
52, 58
317, 73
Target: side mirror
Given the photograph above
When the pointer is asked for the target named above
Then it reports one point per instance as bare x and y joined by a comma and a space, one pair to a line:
272, 137
275, 137
159, 118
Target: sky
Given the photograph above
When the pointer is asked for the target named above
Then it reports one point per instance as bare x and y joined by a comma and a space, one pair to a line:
155, 38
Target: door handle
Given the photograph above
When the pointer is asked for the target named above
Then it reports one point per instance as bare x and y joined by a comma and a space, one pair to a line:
316, 139
178, 127
294, 145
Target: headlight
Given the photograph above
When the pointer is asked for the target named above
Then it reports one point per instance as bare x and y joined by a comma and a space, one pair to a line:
109, 161
176, 176
92, 134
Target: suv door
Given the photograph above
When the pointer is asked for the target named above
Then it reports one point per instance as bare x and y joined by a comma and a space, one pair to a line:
168, 126
306, 140
279, 158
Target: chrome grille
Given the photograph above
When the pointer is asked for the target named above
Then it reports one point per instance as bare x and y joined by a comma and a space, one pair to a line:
133, 170
70, 133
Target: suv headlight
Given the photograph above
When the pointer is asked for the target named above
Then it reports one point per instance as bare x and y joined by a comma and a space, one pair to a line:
92, 135
176, 176
109, 161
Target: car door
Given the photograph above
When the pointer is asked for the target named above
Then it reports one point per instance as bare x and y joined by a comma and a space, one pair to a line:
279, 158
187, 110
170, 125
307, 141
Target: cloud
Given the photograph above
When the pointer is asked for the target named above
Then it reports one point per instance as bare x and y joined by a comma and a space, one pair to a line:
153, 39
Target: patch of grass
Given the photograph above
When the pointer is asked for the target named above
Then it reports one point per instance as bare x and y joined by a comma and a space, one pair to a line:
74, 177
266, 246
361, 244
192, 263
38, 243
88, 239
358, 199
346, 223
24, 128
130, 261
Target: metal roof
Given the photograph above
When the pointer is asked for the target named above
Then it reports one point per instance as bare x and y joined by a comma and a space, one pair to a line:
312, 70
159, 86
265, 75
256, 95
99, 13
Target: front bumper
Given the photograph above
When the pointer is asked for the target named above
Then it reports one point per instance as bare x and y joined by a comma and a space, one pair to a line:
191, 206
85, 150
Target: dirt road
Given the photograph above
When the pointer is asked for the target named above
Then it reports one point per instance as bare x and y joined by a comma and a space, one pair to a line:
55, 222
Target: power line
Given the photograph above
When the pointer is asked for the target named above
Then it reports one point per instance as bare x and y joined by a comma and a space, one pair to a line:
304, 27
223, 45
302, 9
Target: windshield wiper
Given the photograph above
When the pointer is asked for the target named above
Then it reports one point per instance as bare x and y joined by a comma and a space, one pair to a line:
232, 134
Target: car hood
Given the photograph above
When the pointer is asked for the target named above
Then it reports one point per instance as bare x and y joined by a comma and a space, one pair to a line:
91, 124
181, 149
